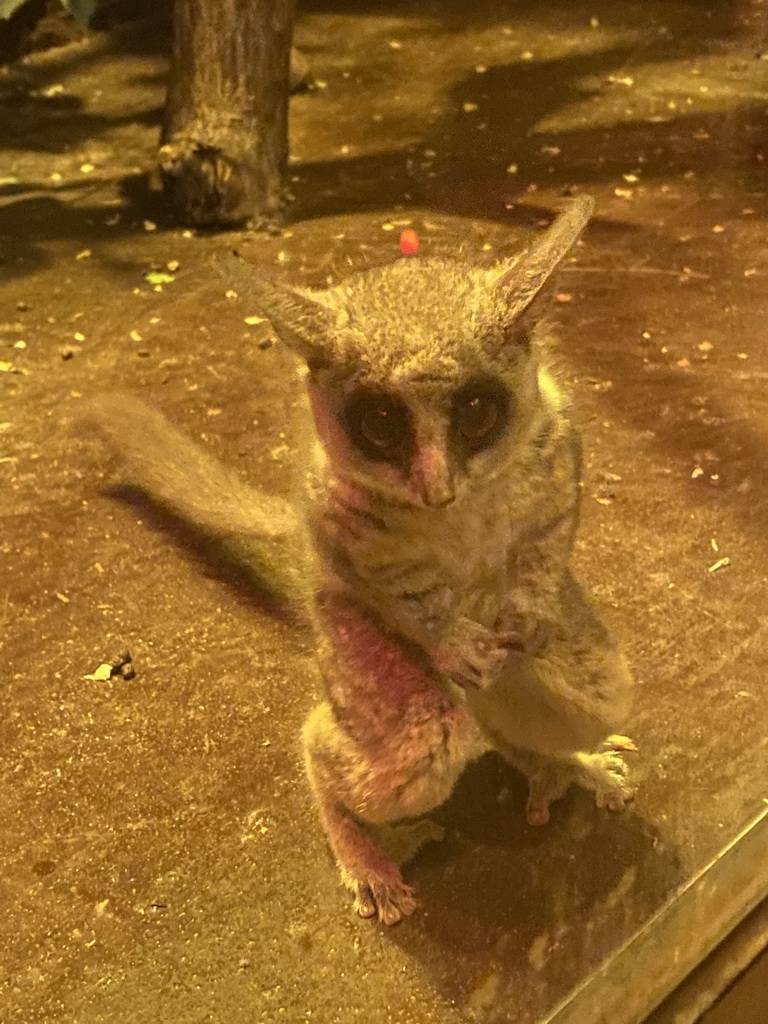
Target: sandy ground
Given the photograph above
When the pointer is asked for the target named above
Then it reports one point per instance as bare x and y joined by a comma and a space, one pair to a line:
160, 855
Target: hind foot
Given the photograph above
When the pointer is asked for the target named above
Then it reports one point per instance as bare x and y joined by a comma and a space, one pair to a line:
537, 812
545, 787
606, 773
388, 898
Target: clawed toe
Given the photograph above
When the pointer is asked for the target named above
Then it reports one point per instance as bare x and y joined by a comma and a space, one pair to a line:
619, 743
364, 904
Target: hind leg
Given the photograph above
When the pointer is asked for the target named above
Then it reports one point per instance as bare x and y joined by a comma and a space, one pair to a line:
334, 773
375, 881
357, 796
604, 772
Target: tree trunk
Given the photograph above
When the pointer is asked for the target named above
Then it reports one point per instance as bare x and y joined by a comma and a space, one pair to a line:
225, 138
15, 32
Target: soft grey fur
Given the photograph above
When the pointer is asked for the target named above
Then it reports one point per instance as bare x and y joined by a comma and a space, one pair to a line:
448, 622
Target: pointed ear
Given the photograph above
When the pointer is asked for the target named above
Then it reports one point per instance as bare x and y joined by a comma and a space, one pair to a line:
521, 282
301, 322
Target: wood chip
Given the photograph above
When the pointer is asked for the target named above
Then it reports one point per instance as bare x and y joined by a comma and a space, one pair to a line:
101, 674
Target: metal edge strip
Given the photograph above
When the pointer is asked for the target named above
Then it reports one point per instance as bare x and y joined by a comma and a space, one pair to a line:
631, 983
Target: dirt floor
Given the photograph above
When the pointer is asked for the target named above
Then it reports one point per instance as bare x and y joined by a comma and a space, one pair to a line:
161, 859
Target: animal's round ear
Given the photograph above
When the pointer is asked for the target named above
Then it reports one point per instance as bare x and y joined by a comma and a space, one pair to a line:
520, 281
296, 318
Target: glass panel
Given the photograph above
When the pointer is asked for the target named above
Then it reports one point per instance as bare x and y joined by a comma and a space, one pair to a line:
162, 853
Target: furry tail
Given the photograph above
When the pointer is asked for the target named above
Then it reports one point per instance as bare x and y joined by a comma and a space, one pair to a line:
186, 480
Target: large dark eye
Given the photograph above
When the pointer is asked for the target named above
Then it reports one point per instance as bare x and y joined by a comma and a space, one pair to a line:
480, 413
378, 424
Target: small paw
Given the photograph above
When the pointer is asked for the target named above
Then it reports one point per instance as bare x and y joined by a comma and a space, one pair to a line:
546, 786
607, 774
537, 813
379, 892
470, 654
388, 902
523, 633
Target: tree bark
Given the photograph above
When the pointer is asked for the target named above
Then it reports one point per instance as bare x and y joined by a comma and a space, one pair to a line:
15, 32
225, 138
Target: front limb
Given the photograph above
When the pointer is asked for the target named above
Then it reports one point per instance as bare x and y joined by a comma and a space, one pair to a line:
539, 559
459, 648
410, 601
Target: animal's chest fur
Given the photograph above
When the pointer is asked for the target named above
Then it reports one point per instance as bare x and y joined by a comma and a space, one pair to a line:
461, 559
468, 546
467, 551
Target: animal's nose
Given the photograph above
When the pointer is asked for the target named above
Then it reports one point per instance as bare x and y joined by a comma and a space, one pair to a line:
432, 478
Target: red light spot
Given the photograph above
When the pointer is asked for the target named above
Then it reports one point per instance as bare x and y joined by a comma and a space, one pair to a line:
409, 242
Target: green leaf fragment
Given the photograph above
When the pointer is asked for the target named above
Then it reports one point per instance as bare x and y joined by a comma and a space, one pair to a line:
159, 277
